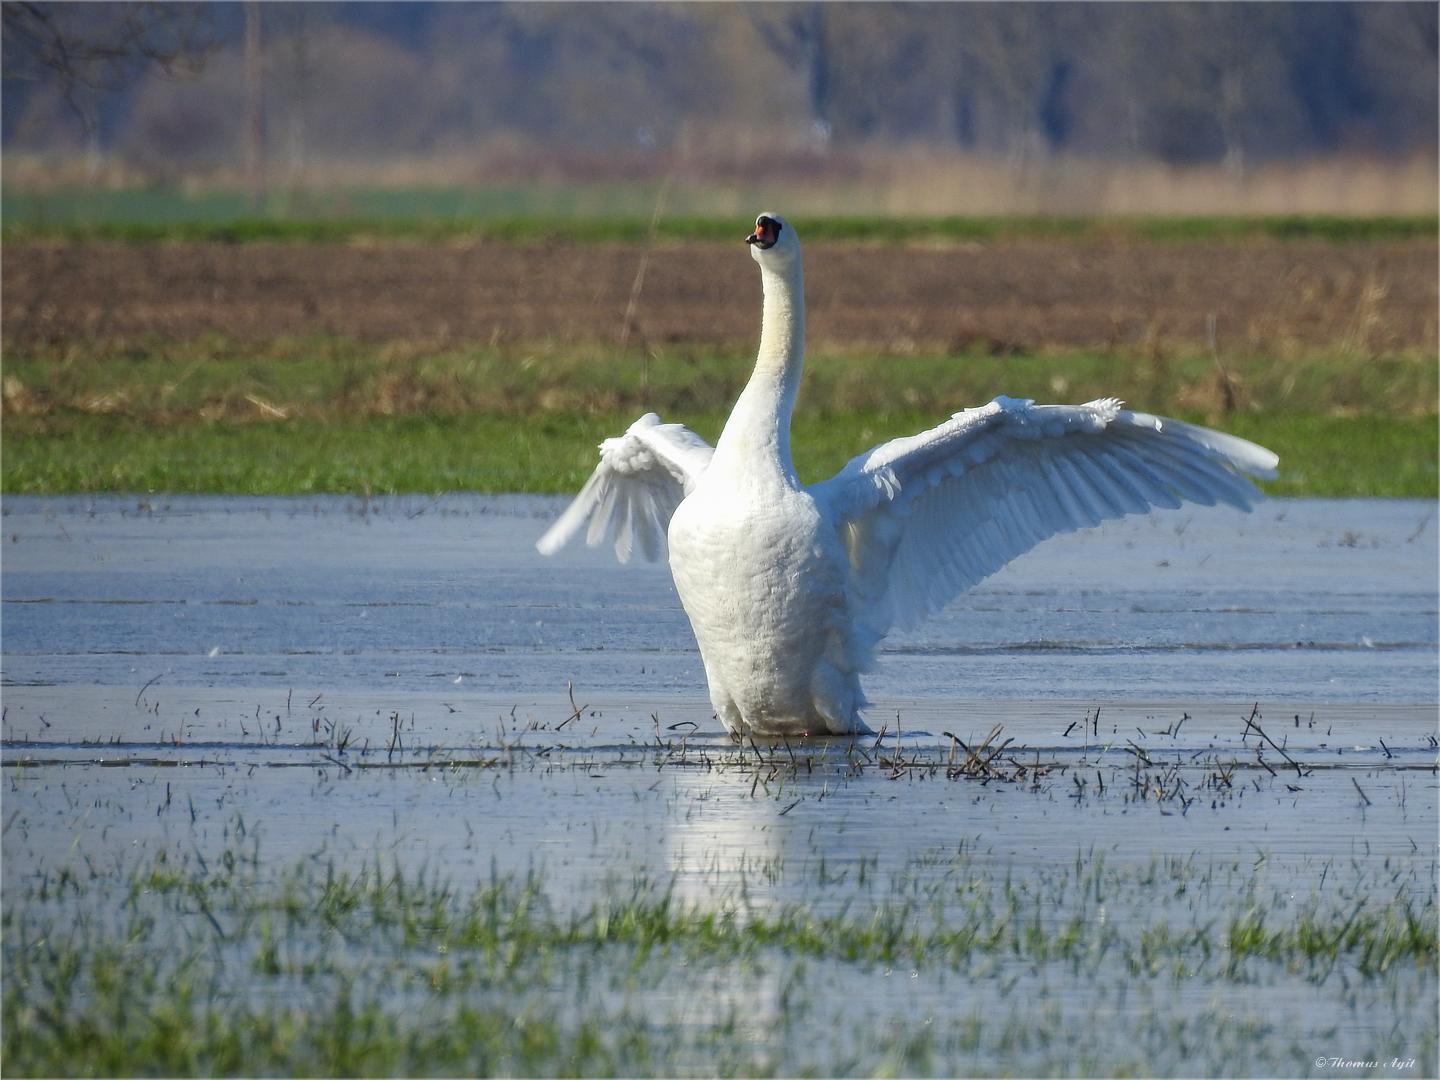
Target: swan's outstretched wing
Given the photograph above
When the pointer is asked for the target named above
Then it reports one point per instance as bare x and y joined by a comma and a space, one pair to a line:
926, 517
629, 498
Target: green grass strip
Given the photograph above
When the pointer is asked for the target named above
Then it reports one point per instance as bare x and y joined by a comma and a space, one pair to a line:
159, 381
582, 230
1320, 456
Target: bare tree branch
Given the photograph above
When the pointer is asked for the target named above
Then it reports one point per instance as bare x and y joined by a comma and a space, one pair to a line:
104, 46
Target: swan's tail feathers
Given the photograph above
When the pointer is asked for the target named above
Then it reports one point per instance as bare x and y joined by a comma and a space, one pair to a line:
630, 497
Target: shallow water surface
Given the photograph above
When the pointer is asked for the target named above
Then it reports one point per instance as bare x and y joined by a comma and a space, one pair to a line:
1310, 600
342, 645
1250, 698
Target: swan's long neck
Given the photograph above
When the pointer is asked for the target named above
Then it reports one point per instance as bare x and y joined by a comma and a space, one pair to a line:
756, 439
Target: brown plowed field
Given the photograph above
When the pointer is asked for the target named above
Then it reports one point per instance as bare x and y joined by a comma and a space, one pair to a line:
1265, 296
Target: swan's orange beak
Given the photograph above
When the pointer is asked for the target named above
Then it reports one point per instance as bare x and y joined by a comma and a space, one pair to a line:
767, 231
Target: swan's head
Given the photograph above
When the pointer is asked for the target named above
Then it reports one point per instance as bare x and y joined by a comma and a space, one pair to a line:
774, 244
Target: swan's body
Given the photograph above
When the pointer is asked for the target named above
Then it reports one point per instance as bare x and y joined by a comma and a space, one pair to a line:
789, 588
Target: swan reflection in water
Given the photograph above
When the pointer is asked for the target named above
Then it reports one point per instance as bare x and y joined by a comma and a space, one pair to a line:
790, 588
726, 846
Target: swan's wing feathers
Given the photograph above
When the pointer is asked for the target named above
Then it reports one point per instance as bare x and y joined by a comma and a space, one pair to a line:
928, 516
629, 498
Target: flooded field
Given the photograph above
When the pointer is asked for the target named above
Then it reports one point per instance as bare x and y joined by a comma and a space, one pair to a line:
1160, 797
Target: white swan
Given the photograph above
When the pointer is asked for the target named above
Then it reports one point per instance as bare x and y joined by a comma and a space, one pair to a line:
789, 588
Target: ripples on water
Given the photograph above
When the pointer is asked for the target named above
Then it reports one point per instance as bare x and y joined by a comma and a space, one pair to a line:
391, 678
1312, 600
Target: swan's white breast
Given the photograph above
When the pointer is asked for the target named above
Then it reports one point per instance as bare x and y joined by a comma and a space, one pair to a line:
762, 578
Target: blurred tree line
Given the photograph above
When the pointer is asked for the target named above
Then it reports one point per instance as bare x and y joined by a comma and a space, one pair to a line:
1232, 83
